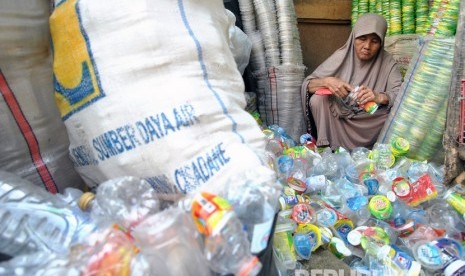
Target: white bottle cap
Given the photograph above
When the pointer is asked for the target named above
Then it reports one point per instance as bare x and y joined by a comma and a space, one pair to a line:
454, 267
354, 237
415, 269
391, 196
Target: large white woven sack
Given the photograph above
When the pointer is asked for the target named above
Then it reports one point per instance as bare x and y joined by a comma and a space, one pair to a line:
33, 139
151, 89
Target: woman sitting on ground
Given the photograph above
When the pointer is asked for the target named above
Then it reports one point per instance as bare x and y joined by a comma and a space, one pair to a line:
362, 61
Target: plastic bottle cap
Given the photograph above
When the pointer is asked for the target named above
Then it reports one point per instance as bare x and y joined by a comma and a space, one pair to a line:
380, 207
354, 237
454, 267
85, 199
391, 196
384, 251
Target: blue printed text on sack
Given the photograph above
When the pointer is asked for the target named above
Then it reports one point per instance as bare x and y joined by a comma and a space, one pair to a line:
128, 137
201, 168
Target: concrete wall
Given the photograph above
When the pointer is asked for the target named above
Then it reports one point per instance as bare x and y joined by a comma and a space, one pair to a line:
324, 26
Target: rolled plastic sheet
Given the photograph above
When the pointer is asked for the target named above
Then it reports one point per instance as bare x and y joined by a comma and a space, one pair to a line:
418, 113
421, 16
443, 18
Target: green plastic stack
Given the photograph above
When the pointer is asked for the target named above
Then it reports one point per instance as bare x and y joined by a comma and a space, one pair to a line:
419, 112
354, 16
408, 16
386, 14
372, 6
395, 7
379, 7
363, 7
443, 18
421, 16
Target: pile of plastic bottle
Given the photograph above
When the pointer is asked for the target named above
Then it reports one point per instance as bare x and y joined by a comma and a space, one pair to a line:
376, 210
126, 228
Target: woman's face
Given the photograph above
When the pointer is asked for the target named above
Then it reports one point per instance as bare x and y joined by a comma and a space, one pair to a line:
367, 46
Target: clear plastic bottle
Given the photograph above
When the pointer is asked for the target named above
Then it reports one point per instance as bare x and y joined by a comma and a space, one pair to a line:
125, 201
397, 262
383, 157
170, 244
86, 225
283, 245
31, 219
254, 197
227, 248
257, 217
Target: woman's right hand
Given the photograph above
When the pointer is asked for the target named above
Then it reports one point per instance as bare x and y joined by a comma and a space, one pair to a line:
337, 86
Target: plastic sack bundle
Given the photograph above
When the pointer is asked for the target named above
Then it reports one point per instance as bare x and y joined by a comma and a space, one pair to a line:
402, 48
151, 89
33, 139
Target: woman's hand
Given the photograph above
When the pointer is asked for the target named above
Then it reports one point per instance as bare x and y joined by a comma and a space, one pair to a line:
337, 86
366, 95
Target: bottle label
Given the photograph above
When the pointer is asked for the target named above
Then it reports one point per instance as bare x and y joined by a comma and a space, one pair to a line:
457, 202
429, 255
422, 190
209, 212
400, 258
261, 235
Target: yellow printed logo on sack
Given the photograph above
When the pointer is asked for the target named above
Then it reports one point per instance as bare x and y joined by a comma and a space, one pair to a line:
75, 75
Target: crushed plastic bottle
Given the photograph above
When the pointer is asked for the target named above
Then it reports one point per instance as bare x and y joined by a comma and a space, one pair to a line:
125, 201
31, 219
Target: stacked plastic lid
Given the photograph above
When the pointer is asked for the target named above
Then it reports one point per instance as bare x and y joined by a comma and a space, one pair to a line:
395, 19
257, 55
443, 18
408, 16
355, 12
386, 14
267, 24
291, 52
247, 16
421, 16
276, 60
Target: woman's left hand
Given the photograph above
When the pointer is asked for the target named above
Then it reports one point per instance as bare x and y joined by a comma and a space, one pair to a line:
366, 95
